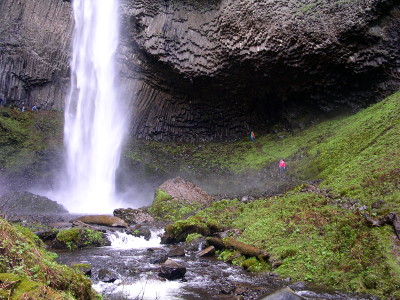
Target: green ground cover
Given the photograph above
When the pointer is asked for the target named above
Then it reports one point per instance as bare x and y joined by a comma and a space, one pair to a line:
310, 234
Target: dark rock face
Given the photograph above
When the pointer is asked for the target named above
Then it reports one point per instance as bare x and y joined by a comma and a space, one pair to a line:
214, 69
35, 47
28, 203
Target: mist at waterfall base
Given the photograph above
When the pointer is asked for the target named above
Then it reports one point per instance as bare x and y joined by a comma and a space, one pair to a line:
96, 117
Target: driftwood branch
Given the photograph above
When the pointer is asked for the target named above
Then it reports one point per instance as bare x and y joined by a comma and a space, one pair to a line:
390, 219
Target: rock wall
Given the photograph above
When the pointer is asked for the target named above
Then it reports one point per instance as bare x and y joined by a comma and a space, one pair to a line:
203, 70
35, 39
213, 69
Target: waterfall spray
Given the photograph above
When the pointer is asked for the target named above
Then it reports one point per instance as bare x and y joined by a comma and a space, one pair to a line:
95, 121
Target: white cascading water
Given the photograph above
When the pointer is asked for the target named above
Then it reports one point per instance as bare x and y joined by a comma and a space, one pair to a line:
95, 119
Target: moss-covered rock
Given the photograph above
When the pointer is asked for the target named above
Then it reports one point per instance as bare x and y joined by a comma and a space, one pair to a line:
74, 238
176, 199
28, 271
180, 230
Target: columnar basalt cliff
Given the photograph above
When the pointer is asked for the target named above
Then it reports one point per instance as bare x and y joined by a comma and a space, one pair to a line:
214, 69
35, 42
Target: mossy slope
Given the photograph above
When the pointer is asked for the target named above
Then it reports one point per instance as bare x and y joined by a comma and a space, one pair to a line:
317, 233
27, 271
30, 145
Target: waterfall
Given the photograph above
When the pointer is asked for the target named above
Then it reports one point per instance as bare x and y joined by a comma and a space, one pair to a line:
95, 118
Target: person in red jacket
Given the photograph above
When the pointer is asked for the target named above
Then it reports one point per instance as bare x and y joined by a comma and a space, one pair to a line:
282, 166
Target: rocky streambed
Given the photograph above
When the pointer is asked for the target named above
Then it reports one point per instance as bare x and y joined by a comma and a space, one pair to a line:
141, 267
136, 268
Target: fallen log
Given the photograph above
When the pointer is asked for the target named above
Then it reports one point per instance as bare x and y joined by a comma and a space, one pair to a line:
390, 219
244, 249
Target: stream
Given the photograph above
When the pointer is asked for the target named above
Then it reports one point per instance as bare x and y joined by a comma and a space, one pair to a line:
128, 269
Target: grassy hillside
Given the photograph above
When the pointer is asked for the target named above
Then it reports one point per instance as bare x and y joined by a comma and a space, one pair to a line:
316, 232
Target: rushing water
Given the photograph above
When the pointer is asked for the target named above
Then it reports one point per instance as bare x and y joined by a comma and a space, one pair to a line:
130, 263
94, 115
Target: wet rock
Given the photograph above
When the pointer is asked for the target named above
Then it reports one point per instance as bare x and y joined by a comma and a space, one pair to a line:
47, 235
157, 256
104, 220
176, 252
133, 216
28, 203
74, 238
106, 276
196, 245
139, 231
209, 251
172, 270
282, 294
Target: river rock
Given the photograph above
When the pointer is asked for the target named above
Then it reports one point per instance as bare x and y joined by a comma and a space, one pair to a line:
283, 294
104, 220
139, 231
172, 270
158, 255
133, 216
106, 276
27, 203
176, 251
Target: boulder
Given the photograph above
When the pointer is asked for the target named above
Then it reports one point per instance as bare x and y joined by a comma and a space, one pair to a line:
107, 276
172, 270
178, 198
133, 216
283, 294
139, 231
181, 189
27, 203
158, 255
104, 220
176, 252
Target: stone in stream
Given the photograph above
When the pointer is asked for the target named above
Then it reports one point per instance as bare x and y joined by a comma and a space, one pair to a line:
133, 216
172, 270
176, 251
102, 220
106, 276
283, 294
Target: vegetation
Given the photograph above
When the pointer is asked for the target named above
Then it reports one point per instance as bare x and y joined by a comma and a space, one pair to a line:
166, 208
317, 233
74, 238
30, 143
27, 271
313, 232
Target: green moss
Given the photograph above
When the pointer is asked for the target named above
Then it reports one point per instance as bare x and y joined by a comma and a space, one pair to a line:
181, 229
193, 236
166, 208
74, 238
29, 142
34, 269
